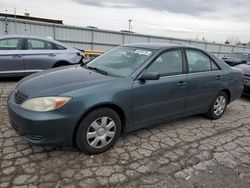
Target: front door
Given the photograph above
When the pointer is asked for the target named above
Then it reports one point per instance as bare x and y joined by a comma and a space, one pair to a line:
163, 98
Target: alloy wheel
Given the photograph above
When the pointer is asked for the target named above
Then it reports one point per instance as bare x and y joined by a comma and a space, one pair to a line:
219, 105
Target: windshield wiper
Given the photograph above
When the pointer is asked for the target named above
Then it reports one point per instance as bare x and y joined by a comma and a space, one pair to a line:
97, 70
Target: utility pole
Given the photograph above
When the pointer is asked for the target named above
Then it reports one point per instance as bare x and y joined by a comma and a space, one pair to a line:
129, 25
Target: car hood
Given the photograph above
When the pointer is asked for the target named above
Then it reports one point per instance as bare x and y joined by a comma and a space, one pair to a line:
245, 68
60, 80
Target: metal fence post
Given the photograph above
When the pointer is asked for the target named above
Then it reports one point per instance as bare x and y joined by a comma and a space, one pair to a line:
92, 39
219, 53
123, 38
233, 49
6, 26
205, 46
54, 31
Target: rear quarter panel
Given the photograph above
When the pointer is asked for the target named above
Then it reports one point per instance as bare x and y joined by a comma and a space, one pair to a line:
236, 87
232, 80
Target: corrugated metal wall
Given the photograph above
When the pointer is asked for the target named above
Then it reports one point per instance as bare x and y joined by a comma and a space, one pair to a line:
96, 39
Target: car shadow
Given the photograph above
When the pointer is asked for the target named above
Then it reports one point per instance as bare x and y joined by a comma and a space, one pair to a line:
245, 98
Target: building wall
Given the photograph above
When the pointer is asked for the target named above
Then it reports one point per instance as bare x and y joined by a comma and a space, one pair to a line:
97, 39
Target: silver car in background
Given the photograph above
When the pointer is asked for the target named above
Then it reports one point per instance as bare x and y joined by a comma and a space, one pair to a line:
24, 55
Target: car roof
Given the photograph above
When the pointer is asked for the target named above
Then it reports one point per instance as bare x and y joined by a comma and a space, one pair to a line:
25, 36
156, 46
49, 39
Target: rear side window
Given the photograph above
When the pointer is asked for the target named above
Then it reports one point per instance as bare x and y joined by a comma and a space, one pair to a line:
167, 64
34, 44
199, 62
10, 44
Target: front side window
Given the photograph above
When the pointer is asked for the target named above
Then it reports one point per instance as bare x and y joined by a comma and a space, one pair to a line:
199, 62
10, 44
167, 64
121, 61
34, 44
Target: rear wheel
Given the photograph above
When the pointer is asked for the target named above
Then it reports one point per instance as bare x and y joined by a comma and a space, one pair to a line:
98, 131
218, 106
61, 64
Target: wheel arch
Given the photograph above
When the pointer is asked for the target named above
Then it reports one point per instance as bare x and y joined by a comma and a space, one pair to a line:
112, 106
61, 63
228, 93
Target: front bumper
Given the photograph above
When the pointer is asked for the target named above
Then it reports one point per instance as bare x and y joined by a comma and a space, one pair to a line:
42, 128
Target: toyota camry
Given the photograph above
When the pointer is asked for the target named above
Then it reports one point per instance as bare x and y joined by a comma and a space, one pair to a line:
127, 88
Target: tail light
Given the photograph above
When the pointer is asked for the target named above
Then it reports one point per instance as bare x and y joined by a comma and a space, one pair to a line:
80, 54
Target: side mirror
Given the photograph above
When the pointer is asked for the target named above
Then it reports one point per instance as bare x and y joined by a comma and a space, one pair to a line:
150, 76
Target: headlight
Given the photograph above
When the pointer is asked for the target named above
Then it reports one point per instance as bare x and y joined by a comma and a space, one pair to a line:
44, 104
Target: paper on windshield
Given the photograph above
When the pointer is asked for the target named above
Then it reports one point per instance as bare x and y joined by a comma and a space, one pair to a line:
143, 52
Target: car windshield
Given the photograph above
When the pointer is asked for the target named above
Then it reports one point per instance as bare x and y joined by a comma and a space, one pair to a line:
238, 55
121, 61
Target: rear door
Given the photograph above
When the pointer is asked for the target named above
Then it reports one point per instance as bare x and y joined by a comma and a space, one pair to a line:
204, 81
163, 98
39, 55
11, 56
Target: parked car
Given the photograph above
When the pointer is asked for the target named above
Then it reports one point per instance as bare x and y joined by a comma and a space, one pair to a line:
246, 81
23, 55
237, 58
126, 88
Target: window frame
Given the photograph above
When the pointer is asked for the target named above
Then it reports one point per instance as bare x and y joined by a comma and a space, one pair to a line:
44, 41
166, 51
18, 38
205, 54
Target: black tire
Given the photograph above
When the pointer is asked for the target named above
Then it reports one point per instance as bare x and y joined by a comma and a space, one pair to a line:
211, 112
85, 125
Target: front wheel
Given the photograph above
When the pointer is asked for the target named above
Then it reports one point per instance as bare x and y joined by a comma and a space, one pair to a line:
218, 106
98, 131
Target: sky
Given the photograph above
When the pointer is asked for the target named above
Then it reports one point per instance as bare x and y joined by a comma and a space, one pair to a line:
213, 20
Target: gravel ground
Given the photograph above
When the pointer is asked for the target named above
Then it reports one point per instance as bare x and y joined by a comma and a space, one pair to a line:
191, 152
